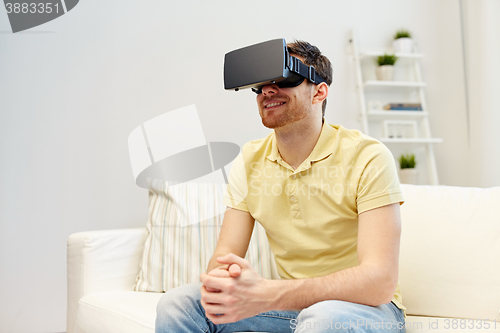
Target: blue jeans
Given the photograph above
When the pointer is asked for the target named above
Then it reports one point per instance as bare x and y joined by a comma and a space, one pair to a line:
180, 310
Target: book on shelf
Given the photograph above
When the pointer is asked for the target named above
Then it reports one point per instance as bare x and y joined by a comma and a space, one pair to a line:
403, 106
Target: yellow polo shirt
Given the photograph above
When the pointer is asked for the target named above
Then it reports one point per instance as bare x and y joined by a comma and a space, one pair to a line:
311, 214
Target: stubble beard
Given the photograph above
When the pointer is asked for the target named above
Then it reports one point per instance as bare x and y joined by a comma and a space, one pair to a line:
285, 117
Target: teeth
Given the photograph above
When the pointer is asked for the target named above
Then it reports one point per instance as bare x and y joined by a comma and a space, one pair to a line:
274, 104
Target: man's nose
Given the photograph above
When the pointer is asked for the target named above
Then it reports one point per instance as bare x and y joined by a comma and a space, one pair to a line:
270, 89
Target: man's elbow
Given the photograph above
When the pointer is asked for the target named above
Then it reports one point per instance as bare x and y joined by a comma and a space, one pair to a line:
383, 286
387, 298
386, 289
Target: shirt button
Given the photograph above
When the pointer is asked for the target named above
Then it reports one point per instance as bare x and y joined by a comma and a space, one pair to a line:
293, 176
293, 198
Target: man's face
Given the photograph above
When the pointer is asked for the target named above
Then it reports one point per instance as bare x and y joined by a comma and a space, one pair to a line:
281, 106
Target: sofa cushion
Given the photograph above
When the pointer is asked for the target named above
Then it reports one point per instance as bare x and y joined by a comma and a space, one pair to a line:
450, 243
135, 312
183, 227
117, 311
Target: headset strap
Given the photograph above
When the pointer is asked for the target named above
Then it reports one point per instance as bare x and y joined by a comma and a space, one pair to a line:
309, 72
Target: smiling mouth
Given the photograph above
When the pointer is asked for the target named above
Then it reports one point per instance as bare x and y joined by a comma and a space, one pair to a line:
270, 105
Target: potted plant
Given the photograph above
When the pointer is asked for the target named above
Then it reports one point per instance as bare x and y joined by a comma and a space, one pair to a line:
402, 42
385, 69
407, 172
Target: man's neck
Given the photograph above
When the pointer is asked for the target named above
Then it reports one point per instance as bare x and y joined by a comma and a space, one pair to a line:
296, 141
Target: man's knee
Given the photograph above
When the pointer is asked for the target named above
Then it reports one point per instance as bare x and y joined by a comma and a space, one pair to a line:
179, 310
322, 316
179, 298
337, 316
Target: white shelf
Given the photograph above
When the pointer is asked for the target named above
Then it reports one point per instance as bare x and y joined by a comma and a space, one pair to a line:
410, 83
396, 114
411, 140
404, 84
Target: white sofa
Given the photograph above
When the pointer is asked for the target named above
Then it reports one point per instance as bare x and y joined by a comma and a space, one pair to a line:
449, 268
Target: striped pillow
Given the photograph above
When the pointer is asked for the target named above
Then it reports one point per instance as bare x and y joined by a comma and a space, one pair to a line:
183, 227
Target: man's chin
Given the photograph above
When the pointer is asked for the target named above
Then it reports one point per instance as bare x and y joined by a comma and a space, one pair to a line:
272, 123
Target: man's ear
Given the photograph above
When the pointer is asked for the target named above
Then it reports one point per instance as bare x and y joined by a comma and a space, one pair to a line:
320, 93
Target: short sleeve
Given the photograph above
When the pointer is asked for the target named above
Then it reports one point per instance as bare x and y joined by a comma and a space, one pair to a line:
237, 188
378, 183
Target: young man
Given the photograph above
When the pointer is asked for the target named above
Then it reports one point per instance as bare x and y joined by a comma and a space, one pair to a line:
329, 200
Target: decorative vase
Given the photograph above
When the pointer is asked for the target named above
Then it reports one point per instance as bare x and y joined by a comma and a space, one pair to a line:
385, 72
403, 45
408, 176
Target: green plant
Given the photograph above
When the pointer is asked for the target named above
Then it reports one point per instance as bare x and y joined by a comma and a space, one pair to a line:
402, 33
407, 161
386, 59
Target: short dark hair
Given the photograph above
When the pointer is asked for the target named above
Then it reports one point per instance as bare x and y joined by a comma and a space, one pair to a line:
312, 57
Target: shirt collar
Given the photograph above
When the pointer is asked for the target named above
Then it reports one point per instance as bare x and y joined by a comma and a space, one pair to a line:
322, 149
324, 146
274, 154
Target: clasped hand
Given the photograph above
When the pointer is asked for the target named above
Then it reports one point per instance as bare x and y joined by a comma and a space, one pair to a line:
233, 292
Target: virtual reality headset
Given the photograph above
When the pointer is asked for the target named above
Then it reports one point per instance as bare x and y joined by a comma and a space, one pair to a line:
266, 63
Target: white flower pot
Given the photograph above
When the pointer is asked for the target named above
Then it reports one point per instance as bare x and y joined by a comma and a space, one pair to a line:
403, 45
385, 72
408, 176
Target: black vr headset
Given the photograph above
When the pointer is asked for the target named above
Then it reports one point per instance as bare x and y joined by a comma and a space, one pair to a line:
265, 63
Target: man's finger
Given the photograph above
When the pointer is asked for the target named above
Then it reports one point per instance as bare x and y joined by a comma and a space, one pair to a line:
212, 308
214, 282
208, 289
212, 298
233, 259
219, 273
234, 270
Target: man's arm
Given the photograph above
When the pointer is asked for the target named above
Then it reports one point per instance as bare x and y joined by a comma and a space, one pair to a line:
234, 237
373, 282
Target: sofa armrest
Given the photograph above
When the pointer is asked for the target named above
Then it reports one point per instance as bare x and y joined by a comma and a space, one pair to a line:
102, 261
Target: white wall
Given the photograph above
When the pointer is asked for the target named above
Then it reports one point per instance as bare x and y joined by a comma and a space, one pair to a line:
483, 72
73, 89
